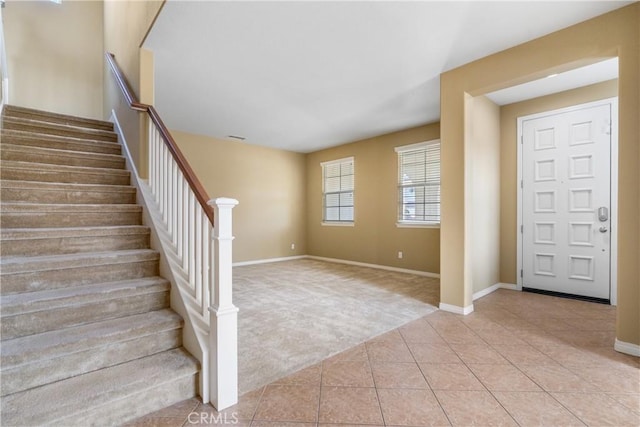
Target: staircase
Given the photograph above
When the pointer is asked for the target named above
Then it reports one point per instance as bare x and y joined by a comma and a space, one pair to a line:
88, 337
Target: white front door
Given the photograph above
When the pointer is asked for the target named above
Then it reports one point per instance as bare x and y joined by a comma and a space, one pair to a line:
566, 202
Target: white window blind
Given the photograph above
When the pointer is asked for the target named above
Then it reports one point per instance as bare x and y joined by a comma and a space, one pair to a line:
337, 190
419, 183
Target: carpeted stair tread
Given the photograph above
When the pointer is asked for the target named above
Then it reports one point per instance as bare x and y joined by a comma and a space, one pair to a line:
13, 152
85, 144
46, 311
65, 193
47, 207
33, 166
47, 128
40, 241
48, 357
15, 265
51, 403
29, 171
34, 348
42, 233
40, 273
42, 215
79, 350
30, 302
46, 116
141, 402
53, 186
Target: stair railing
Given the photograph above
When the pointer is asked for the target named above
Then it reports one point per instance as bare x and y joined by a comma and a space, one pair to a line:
4, 74
202, 243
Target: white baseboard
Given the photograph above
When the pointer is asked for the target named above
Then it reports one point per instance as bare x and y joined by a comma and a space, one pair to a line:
627, 348
378, 266
455, 309
268, 260
493, 288
486, 291
338, 261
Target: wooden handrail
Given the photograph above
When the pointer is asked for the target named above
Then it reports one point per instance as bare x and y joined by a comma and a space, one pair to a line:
134, 104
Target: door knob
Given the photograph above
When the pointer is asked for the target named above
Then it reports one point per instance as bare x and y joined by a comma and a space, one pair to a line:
603, 229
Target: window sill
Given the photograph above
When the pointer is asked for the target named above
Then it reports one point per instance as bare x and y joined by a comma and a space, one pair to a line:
417, 225
337, 224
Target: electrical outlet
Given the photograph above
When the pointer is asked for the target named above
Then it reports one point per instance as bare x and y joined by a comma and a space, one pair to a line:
293, 246
399, 254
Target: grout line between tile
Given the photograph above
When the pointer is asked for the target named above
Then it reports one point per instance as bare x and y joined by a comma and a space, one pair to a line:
375, 387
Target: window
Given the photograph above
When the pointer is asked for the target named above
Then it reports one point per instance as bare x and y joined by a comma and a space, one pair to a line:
337, 191
419, 183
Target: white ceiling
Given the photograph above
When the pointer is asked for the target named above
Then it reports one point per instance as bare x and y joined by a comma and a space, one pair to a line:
578, 77
303, 76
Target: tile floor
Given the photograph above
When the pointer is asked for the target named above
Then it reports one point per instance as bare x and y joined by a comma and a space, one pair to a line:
519, 359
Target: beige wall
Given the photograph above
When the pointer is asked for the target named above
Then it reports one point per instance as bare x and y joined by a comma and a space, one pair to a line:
374, 238
126, 23
484, 192
613, 34
268, 183
54, 54
509, 163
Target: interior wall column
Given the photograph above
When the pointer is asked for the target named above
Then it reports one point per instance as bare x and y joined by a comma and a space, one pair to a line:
455, 286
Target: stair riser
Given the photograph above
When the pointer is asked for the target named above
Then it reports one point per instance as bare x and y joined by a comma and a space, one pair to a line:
67, 160
107, 396
58, 119
62, 144
134, 406
36, 195
69, 132
55, 369
50, 320
75, 276
72, 245
67, 219
42, 175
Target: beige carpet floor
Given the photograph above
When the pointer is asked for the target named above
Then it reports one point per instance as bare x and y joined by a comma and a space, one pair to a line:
296, 313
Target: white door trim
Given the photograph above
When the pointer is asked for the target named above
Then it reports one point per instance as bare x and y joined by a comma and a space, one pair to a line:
614, 188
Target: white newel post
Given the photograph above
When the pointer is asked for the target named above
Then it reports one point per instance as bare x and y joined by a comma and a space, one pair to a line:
223, 315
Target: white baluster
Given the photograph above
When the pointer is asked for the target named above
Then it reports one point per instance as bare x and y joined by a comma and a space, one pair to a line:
192, 240
185, 225
154, 162
156, 142
198, 253
179, 192
150, 145
165, 184
161, 180
206, 264
170, 194
174, 198
158, 157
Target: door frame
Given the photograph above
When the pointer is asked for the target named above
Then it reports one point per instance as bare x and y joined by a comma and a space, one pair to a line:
613, 253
